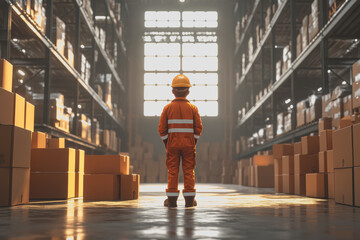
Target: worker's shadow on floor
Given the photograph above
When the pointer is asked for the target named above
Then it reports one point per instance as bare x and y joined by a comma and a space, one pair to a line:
180, 228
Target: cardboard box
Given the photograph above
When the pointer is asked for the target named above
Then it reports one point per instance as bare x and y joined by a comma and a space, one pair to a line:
356, 94
53, 160
79, 160
79, 184
6, 75
325, 138
310, 145
342, 144
14, 186
331, 185
7, 107
356, 71
304, 32
288, 165
356, 144
344, 186
15, 147
263, 160
19, 111
129, 187
326, 106
107, 164
316, 185
300, 184
288, 184
264, 176
38, 140
280, 150
322, 162
325, 123
278, 167
29, 116
347, 101
357, 186
278, 182
101, 187
337, 111
56, 143
301, 118
304, 164
345, 122
52, 185
297, 148
330, 161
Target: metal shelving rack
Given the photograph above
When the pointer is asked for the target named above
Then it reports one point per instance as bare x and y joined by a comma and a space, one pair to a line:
56, 71
318, 59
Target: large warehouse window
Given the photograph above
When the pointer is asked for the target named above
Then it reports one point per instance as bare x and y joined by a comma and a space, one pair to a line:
181, 42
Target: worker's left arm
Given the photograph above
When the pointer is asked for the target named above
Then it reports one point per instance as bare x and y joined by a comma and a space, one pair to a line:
197, 125
163, 127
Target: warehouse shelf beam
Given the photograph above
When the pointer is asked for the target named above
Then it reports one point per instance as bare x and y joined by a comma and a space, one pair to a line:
288, 137
19, 62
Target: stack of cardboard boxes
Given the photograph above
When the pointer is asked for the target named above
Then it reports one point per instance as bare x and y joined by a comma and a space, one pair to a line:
255, 172
107, 178
56, 172
212, 165
16, 125
280, 176
346, 157
152, 169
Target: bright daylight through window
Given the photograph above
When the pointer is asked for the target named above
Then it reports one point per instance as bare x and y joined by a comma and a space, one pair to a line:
181, 42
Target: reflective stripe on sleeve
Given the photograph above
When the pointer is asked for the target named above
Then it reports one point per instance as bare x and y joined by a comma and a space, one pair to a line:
180, 121
180, 130
196, 136
164, 137
188, 194
172, 194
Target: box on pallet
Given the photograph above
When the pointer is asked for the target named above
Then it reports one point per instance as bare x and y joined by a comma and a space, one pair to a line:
316, 185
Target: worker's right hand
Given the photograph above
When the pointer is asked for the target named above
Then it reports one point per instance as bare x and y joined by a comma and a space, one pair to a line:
165, 142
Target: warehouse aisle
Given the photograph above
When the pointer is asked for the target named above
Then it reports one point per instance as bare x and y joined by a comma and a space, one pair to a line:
224, 211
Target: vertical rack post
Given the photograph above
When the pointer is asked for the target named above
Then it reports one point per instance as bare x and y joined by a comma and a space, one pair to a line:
293, 57
47, 79
77, 56
5, 31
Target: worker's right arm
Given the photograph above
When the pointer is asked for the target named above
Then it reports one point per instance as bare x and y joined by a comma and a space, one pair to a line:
163, 126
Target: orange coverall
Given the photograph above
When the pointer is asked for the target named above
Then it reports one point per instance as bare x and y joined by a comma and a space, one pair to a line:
180, 127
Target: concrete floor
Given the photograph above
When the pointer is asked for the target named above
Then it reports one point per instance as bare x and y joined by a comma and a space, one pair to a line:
224, 211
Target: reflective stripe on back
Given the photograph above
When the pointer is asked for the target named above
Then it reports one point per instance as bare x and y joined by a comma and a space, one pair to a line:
181, 130
180, 121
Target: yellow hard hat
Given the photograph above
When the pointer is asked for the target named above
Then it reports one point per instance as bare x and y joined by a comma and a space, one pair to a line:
180, 81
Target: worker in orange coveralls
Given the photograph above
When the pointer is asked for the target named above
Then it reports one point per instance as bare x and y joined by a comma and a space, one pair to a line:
180, 128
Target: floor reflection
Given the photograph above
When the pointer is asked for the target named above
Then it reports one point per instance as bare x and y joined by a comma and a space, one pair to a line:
223, 212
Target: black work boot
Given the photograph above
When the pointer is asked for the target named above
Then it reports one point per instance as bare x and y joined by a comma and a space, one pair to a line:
190, 201
170, 202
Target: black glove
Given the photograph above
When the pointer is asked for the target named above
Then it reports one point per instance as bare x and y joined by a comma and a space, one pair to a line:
165, 142
196, 141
